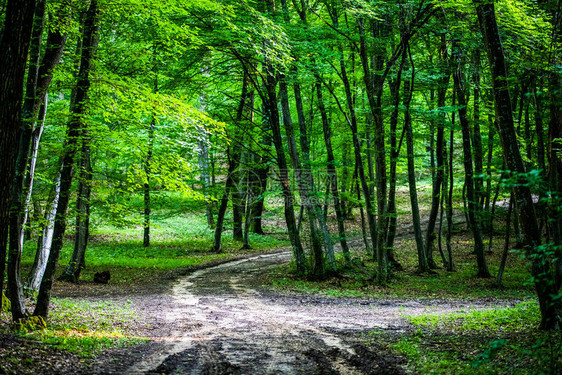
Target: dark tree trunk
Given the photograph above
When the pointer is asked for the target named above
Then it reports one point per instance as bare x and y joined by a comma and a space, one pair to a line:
392, 216
408, 92
77, 109
305, 184
273, 115
217, 248
331, 169
440, 156
506, 244
540, 268
85, 174
473, 206
449, 183
478, 154
18, 21
146, 186
374, 98
233, 154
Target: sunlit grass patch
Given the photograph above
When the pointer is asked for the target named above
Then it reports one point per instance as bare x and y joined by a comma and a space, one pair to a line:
85, 328
520, 317
501, 340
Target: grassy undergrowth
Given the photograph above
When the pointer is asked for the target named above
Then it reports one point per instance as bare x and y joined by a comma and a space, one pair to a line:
500, 341
358, 281
177, 242
85, 327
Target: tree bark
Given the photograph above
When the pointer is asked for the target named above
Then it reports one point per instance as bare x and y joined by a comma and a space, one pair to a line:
408, 92
45, 240
374, 99
473, 205
273, 115
85, 174
146, 186
77, 109
439, 155
18, 22
305, 184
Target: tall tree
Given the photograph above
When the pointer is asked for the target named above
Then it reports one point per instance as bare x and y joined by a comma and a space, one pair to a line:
473, 204
78, 109
14, 45
540, 268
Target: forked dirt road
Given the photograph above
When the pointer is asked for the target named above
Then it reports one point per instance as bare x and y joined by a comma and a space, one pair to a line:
220, 320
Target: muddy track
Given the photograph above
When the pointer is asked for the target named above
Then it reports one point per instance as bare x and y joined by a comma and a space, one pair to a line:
220, 320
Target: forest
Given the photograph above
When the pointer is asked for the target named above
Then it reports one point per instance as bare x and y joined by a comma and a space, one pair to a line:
294, 160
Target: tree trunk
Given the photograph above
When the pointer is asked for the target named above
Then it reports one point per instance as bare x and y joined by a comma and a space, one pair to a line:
273, 115
449, 183
506, 244
18, 21
233, 155
306, 187
374, 97
473, 206
408, 92
45, 240
146, 186
77, 109
85, 174
478, 154
332, 176
439, 154
540, 268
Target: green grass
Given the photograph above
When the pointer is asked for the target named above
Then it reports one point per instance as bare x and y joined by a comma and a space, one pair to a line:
499, 341
82, 327
176, 242
461, 284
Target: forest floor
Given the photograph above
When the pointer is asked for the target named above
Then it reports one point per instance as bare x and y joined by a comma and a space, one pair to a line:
223, 320
247, 316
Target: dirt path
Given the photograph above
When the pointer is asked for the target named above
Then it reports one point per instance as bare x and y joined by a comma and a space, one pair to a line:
220, 320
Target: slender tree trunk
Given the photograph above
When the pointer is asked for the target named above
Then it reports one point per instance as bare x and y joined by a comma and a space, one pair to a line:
305, 185
77, 109
440, 157
30, 178
332, 175
392, 215
85, 174
146, 186
233, 155
473, 206
491, 133
217, 248
506, 245
478, 154
449, 181
273, 115
408, 92
45, 240
380, 157
370, 210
